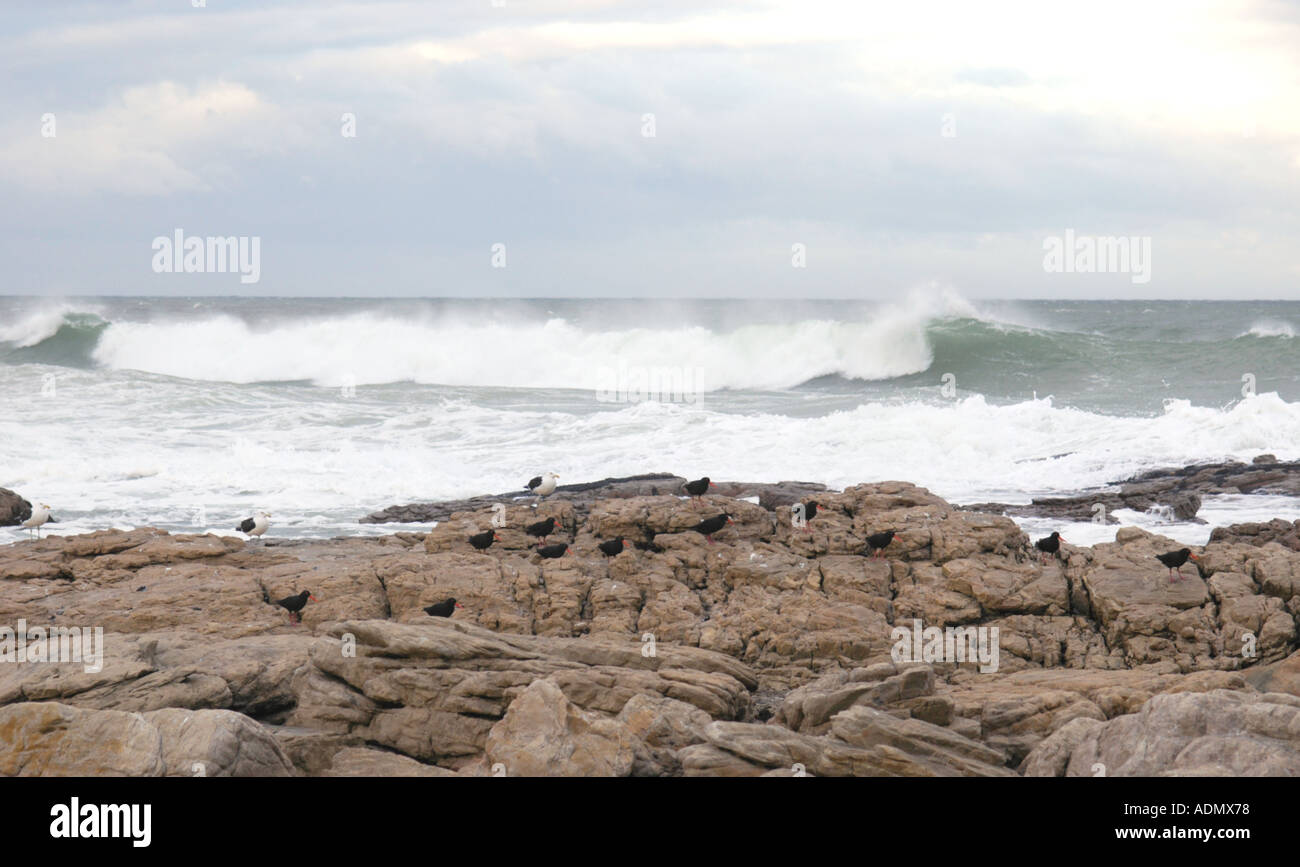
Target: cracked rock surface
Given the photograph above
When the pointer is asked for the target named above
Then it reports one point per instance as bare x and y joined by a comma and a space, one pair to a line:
766, 651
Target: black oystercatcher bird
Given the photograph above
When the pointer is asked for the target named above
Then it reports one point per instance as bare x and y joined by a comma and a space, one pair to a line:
809, 512
612, 548
1175, 560
542, 529
443, 608
709, 526
551, 552
649, 544
699, 487
1048, 545
483, 541
877, 541
295, 604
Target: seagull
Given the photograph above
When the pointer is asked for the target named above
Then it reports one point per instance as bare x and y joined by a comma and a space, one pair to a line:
40, 515
257, 525
542, 486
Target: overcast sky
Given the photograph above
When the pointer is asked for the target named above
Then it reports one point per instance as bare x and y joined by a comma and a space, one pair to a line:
903, 144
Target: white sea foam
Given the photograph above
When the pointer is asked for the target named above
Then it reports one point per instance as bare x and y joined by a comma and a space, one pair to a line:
187, 421
463, 350
1270, 328
318, 461
366, 349
37, 325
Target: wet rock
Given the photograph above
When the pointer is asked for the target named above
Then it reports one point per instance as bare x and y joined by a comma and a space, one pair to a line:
13, 508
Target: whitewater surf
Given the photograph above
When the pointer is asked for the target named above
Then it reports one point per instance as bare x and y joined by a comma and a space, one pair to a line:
181, 412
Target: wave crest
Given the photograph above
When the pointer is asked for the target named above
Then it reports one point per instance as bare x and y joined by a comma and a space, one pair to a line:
364, 349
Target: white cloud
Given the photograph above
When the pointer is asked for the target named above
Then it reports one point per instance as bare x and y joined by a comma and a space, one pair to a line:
1166, 117
149, 141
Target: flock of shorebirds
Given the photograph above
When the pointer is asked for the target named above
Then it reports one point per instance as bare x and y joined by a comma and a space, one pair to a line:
544, 485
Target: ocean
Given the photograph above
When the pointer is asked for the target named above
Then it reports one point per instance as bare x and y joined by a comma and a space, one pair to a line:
191, 413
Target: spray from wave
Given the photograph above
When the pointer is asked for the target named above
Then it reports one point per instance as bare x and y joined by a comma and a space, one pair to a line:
46, 323
366, 349
460, 349
1270, 328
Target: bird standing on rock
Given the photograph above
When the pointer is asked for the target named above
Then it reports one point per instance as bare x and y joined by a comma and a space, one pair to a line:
709, 526
1048, 545
542, 486
256, 525
295, 604
39, 517
483, 541
1174, 560
542, 529
877, 541
649, 544
551, 552
613, 547
699, 487
443, 608
809, 512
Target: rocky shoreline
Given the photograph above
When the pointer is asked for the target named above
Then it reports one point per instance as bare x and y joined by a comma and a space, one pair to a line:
1176, 492
769, 651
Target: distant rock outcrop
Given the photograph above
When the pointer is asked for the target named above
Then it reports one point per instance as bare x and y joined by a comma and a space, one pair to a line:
1176, 492
582, 496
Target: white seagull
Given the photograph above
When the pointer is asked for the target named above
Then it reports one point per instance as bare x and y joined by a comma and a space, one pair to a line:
40, 514
256, 525
542, 486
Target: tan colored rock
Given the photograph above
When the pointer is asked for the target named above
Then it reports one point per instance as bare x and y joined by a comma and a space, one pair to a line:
1283, 676
543, 734
366, 762
868, 743
662, 726
51, 739
312, 750
767, 621
47, 739
1138, 608
1052, 754
933, 749
1218, 733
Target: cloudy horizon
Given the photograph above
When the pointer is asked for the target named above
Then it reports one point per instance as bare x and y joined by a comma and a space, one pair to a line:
668, 149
